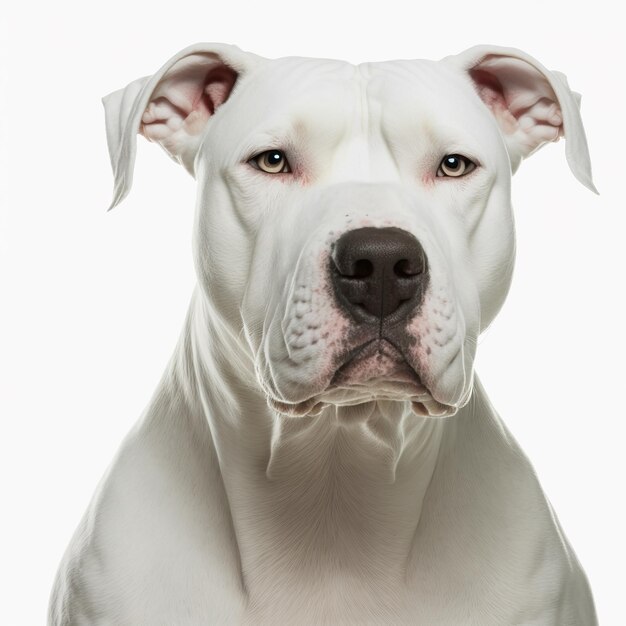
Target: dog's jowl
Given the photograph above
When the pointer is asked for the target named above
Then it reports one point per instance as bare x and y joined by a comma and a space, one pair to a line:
319, 449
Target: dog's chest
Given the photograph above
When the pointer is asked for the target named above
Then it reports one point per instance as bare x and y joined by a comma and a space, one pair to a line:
345, 600
336, 604
172, 557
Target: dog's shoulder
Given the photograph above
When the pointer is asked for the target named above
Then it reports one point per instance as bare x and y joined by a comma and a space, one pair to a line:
80, 583
144, 531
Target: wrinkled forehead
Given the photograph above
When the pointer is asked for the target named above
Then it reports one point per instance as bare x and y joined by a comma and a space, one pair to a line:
429, 105
295, 92
323, 96
420, 87
288, 80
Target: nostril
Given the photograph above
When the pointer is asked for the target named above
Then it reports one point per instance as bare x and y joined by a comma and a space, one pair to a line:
363, 268
406, 268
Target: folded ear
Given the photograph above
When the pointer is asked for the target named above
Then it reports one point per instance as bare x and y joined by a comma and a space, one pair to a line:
172, 107
532, 105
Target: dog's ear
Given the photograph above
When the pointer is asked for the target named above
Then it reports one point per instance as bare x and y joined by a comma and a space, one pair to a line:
172, 107
531, 104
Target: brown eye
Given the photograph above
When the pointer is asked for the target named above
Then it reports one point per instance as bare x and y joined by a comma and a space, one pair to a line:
455, 165
271, 161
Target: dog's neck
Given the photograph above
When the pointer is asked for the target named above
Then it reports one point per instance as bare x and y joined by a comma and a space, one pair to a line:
338, 492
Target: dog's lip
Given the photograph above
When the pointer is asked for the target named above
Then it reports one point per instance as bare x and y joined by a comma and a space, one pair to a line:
358, 352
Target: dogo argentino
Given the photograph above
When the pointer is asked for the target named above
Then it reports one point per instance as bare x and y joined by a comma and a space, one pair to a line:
319, 449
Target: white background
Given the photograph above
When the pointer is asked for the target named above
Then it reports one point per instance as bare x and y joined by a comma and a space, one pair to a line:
92, 302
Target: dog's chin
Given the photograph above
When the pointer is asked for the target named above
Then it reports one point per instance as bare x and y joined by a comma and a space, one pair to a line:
378, 371
422, 406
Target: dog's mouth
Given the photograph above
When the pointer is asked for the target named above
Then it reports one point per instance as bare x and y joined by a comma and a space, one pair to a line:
377, 363
374, 370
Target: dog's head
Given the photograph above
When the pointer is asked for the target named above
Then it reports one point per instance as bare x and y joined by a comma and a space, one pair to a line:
354, 223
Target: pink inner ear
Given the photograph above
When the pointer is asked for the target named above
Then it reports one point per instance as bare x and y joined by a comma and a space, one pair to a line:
185, 99
522, 101
491, 93
219, 83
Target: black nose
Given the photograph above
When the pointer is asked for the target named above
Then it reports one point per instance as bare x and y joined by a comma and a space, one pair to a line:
379, 273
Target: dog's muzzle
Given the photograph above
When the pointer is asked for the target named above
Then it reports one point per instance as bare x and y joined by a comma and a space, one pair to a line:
379, 276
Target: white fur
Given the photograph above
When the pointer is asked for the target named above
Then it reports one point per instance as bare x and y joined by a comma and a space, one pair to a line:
248, 492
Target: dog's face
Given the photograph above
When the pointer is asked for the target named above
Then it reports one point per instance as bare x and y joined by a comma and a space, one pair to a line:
298, 193
354, 224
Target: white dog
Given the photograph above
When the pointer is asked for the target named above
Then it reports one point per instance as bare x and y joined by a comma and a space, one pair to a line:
319, 449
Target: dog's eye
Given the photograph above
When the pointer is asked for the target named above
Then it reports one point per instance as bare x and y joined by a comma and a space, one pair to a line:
271, 161
455, 165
